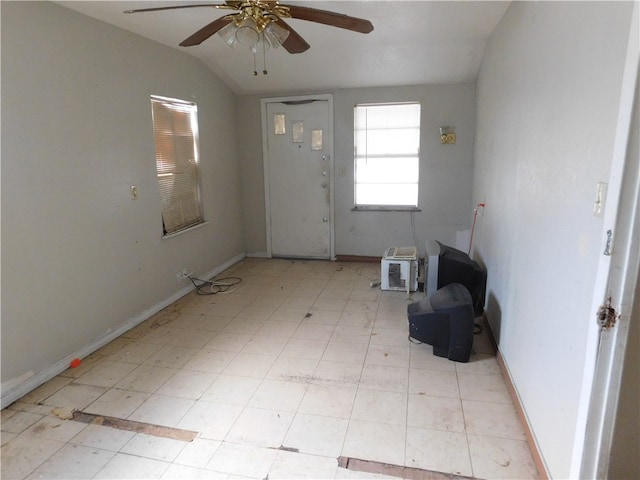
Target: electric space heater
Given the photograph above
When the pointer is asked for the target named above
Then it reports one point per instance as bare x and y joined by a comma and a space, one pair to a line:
399, 269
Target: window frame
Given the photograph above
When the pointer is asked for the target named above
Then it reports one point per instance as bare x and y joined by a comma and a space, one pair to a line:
389, 156
175, 120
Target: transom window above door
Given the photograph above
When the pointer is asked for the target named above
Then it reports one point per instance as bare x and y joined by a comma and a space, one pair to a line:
386, 155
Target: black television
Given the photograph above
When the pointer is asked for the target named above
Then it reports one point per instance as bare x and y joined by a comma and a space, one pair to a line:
445, 265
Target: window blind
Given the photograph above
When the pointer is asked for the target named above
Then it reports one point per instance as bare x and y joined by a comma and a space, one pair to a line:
175, 128
386, 154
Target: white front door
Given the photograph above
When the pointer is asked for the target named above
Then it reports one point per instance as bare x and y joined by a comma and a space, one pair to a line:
298, 177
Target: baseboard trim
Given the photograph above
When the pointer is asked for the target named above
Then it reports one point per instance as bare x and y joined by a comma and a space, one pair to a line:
358, 258
513, 393
34, 381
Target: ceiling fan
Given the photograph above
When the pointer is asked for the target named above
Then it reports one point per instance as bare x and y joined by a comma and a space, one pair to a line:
260, 24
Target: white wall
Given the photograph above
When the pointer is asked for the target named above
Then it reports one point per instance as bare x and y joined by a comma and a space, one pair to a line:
548, 93
445, 171
79, 257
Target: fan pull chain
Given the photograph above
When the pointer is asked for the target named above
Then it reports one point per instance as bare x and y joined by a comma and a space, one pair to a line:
255, 70
264, 55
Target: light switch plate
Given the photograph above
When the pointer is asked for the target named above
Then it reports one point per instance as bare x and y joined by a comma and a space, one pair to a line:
601, 196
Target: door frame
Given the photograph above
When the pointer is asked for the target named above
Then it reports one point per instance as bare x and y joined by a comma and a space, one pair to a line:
605, 350
328, 97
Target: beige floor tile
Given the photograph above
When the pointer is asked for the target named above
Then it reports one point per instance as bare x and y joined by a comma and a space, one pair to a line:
243, 460
289, 465
184, 472
375, 441
197, 453
257, 426
304, 348
382, 377
351, 334
193, 338
501, 458
19, 422
480, 364
340, 374
171, 356
492, 419
266, 344
289, 369
135, 352
73, 461
316, 434
103, 438
300, 363
397, 337
188, 384
23, 455
210, 360
345, 352
229, 342
421, 356
435, 413
331, 401
54, 428
231, 389
314, 331
380, 406
393, 321
250, 365
123, 466
106, 374
146, 378
446, 452
434, 383
75, 396
150, 446
483, 388
278, 395
212, 420
162, 410
278, 329
46, 390
389, 355
117, 403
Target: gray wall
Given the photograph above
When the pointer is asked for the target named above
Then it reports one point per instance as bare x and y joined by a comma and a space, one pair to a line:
445, 171
548, 94
79, 257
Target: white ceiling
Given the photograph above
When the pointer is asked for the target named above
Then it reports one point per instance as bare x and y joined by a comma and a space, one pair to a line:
413, 43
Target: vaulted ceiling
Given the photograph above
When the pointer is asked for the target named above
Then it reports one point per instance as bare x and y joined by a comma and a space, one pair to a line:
413, 43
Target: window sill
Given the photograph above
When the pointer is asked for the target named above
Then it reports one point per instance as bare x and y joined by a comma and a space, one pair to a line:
385, 208
180, 232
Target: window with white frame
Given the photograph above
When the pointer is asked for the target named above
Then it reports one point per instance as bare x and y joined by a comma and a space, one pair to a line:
175, 128
387, 155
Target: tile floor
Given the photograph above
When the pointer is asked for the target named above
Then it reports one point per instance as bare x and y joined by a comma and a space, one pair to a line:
304, 362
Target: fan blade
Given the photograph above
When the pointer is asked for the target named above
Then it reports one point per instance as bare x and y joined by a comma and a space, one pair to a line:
294, 42
207, 31
333, 19
176, 7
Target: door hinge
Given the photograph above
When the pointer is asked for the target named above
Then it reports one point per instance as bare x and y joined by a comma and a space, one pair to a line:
607, 315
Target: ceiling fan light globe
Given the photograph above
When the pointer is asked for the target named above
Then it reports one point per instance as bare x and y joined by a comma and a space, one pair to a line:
228, 34
275, 34
247, 33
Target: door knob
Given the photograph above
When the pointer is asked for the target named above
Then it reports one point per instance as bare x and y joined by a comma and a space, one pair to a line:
325, 173
325, 220
325, 157
325, 184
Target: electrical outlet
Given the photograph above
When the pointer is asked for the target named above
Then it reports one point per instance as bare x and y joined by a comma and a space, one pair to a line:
183, 275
